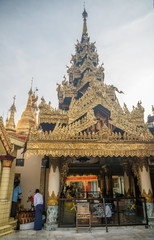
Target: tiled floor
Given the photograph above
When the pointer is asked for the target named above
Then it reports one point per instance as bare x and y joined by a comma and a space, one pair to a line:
114, 233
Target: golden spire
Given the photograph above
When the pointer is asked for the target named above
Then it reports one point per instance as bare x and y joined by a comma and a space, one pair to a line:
27, 119
10, 124
153, 109
84, 15
7, 119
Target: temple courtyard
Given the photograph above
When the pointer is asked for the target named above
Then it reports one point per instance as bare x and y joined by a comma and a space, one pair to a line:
119, 233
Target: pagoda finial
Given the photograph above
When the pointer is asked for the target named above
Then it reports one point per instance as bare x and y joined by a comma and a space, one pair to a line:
13, 108
153, 109
27, 120
84, 15
10, 124
14, 98
32, 82
30, 91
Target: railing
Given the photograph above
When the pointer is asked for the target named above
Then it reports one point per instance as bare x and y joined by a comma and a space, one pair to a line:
124, 211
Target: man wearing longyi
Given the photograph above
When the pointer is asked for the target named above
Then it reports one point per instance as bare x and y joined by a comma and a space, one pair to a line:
38, 204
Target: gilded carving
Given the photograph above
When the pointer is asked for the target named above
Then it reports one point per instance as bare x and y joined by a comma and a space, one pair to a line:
53, 199
64, 170
148, 196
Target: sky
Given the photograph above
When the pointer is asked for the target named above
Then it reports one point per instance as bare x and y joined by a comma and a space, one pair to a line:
37, 38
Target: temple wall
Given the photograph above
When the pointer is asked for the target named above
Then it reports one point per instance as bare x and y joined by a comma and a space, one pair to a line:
29, 176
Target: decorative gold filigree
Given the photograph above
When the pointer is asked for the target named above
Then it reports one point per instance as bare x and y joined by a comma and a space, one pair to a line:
52, 200
148, 196
64, 170
58, 147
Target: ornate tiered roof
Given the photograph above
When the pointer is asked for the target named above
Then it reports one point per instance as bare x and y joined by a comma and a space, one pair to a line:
84, 69
86, 103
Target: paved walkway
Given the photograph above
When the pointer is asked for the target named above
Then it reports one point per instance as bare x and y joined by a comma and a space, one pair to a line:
114, 233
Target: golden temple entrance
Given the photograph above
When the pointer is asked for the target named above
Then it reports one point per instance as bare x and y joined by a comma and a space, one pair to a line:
90, 179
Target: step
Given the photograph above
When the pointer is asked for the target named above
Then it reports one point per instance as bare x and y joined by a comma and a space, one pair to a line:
7, 233
7, 229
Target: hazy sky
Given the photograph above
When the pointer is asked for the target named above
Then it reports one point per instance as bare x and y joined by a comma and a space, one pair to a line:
37, 38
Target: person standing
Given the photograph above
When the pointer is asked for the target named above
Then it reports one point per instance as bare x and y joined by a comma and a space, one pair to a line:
108, 213
16, 192
38, 204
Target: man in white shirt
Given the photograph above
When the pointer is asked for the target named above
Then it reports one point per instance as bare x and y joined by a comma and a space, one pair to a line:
38, 204
108, 213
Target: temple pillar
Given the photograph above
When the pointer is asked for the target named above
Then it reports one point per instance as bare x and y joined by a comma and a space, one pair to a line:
140, 168
103, 186
6, 167
126, 170
132, 185
43, 177
146, 187
108, 180
102, 183
107, 185
53, 194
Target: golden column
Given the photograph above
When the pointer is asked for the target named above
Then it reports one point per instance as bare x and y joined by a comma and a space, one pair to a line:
53, 191
54, 180
6, 166
126, 169
141, 170
145, 180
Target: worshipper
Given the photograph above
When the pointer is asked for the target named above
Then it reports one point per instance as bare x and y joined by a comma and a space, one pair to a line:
108, 213
16, 192
38, 204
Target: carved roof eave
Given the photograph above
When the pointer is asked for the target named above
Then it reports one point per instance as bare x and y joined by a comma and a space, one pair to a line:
5, 139
16, 141
52, 119
74, 148
94, 101
53, 116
